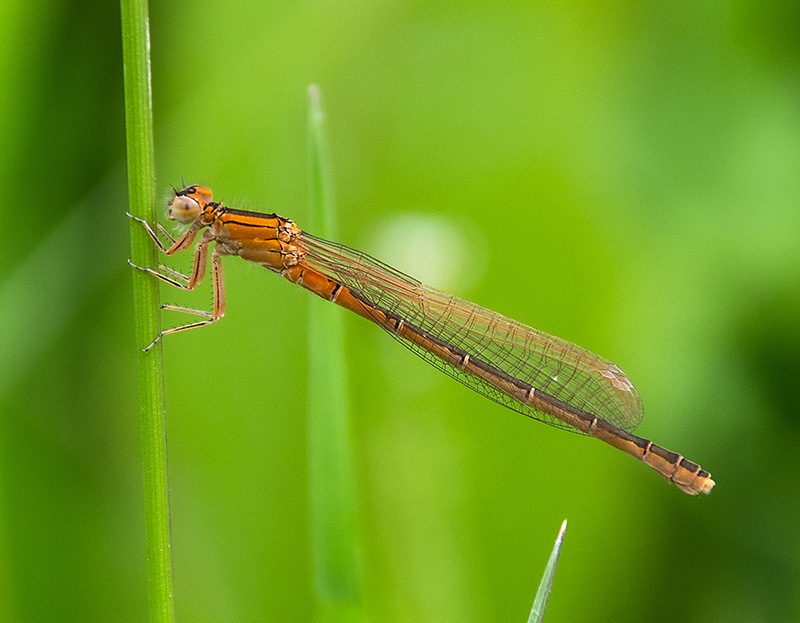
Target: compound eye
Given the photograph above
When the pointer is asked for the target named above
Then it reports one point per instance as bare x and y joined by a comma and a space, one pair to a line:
184, 209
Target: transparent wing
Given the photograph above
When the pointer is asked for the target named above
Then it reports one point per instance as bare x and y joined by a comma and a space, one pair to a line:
559, 368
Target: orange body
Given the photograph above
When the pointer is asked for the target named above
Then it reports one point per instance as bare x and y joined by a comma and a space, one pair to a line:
522, 368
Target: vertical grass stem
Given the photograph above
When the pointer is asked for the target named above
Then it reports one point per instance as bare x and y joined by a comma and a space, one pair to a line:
141, 194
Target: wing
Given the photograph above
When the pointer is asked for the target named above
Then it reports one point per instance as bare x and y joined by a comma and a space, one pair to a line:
559, 368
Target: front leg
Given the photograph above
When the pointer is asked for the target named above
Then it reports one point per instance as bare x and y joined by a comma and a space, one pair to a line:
198, 265
181, 244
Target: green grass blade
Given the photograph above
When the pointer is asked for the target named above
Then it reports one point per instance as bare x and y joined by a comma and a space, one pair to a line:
543, 593
141, 193
336, 549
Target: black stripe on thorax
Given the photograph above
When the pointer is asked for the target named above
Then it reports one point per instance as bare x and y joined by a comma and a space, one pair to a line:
225, 211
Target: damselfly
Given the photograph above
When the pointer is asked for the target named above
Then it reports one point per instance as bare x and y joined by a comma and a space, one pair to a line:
524, 369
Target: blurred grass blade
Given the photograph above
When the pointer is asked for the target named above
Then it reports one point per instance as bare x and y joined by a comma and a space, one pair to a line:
141, 193
543, 593
333, 499
47, 312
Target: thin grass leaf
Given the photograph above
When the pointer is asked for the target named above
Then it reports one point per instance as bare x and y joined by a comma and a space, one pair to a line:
141, 191
543, 592
336, 548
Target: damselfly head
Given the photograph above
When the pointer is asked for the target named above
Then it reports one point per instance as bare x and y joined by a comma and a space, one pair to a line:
187, 204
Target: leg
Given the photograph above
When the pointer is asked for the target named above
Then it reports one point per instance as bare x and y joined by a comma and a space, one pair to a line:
182, 243
173, 272
198, 266
165, 233
219, 295
188, 310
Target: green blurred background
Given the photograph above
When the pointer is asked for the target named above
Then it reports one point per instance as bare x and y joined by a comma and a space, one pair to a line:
624, 176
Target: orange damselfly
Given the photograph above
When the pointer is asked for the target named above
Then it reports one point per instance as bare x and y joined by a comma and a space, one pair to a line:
524, 369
